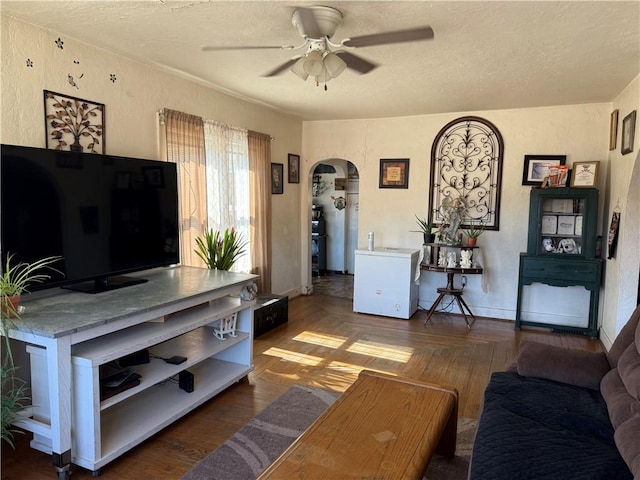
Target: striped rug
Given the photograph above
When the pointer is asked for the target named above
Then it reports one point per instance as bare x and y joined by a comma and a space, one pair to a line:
256, 445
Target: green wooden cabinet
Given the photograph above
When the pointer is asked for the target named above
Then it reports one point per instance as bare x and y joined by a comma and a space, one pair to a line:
561, 249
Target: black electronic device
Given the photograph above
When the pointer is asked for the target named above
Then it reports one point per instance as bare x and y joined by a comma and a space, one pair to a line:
186, 381
176, 360
104, 215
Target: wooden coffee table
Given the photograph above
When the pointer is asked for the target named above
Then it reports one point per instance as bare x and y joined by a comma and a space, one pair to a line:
382, 427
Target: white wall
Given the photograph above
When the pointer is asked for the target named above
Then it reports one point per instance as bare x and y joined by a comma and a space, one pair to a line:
620, 286
131, 103
578, 131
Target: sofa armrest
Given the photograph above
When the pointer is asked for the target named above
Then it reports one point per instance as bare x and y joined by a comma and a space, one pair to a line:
571, 366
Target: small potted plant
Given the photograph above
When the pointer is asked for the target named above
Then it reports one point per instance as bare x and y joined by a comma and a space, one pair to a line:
426, 230
472, 233
220, 251
15, 279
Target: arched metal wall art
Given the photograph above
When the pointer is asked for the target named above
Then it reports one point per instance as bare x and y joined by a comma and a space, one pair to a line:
466, 173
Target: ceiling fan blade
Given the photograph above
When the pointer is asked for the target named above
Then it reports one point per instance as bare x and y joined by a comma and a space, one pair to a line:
309, 23
398, 36
356, 63
209, 48
278, 70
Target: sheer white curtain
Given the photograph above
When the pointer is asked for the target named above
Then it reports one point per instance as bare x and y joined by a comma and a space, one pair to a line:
227, 160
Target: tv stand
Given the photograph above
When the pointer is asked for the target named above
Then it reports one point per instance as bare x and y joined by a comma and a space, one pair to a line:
105, 284
69, 335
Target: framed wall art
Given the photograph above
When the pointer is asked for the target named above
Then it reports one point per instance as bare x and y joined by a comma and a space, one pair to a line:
73, 124
628, 133
536, 167
585, 174
613, 130
277, 178
294, 168
394, 173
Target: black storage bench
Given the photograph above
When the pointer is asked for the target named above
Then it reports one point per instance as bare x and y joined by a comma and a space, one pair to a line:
270, 312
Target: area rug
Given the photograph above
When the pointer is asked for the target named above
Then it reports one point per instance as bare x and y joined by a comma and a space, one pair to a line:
256, 445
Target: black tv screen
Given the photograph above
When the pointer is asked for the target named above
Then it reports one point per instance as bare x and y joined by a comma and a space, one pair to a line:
104, 215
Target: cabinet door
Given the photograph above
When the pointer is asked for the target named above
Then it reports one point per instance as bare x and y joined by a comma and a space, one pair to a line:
562, 221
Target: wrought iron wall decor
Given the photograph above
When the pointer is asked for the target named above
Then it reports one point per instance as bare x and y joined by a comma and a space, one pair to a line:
73, 124
466, 165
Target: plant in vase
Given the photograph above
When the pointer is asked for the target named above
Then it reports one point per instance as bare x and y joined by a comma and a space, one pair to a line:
220, 251
426, 229
15, 279
472, 233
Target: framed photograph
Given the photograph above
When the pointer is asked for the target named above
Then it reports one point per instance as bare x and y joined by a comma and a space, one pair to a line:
536, 167
628, 133
73, 124
277, 178
613, 130
294, 168
394, 173
584, 174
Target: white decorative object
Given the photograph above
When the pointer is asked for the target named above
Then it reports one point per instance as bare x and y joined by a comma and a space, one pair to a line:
451, 260
225, 326
465, 258
442, 258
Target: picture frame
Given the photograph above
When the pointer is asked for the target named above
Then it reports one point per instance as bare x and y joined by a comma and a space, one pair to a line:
394, 173
277, 178
536, 167
628, 133
73, 124
585, 174
613, 130
294, 168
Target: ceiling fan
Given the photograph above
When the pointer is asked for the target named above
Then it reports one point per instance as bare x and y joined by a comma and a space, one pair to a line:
320, 57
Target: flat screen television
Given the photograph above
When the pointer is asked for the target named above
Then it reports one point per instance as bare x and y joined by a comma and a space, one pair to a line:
104, 215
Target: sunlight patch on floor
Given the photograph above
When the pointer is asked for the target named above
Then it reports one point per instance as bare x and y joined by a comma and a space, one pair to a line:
296, 357
381, 350
353, 369
323, 339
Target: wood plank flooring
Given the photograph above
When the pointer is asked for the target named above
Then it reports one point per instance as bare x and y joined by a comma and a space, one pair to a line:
324, 345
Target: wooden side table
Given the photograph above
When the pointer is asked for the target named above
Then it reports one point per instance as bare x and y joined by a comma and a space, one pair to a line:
381, 427
431, 265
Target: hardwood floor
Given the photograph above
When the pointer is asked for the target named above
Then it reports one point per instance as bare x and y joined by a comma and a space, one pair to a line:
325, 345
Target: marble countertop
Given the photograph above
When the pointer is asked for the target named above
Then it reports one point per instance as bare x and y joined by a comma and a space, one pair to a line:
57, 312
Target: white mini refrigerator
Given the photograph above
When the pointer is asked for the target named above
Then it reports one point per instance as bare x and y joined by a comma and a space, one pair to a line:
384, 282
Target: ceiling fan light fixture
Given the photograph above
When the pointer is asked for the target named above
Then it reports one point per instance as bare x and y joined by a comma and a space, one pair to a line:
298, 69
324, 76
334, 64
313, 63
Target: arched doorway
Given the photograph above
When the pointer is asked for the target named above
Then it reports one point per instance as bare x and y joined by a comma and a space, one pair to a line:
334, 216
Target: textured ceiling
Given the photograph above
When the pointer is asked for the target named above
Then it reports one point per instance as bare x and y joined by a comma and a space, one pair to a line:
485, 55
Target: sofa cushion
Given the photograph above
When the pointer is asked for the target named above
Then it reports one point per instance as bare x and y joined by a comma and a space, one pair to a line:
629, 370
627, 439
575, 367
620, 404
624, 338
532, 428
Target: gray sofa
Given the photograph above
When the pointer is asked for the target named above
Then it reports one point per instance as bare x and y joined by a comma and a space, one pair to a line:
563, 414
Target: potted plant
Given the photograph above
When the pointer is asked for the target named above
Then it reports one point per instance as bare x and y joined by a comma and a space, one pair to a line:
425, 228
472, 233
220, 251
15, 279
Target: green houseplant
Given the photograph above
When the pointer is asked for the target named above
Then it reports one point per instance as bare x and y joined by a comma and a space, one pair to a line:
220, 251
472, 233
426, 228
15, 279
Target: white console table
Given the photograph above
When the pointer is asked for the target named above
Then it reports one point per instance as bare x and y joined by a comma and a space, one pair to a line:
70, 334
